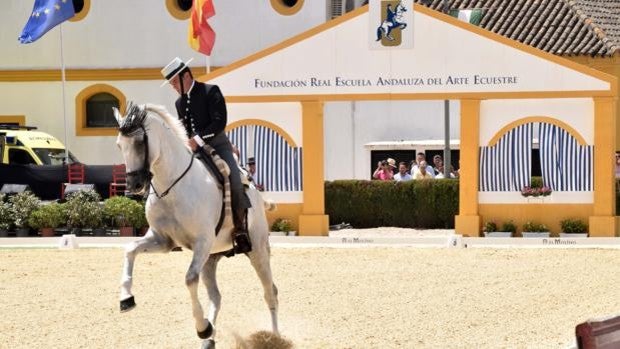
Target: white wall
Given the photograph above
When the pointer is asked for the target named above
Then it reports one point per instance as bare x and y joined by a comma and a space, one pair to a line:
348, 126
41, 103
127, 34
142, 33
576, 112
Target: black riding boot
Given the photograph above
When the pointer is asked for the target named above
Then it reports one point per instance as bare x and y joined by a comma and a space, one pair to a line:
241, 238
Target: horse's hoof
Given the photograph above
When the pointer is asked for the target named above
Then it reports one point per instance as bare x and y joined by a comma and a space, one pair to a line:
208, 344
207, 331
128, 304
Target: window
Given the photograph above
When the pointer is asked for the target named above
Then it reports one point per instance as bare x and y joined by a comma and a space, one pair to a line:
93, 114
287, 7
53, 156
81, 8
20, 157
184, 5
179, 9
99, 110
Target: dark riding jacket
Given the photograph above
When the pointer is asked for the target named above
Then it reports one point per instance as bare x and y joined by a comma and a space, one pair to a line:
203, 111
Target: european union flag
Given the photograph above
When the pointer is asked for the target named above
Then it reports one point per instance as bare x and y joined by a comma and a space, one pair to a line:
46, 14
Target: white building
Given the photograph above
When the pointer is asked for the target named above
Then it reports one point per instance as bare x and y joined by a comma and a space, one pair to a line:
118, 47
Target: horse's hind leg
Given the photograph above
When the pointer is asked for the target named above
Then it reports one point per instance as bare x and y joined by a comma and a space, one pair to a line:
259, 257
150, 243
201, 254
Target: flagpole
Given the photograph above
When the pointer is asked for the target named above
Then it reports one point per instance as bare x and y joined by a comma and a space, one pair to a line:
64, 104
208, 61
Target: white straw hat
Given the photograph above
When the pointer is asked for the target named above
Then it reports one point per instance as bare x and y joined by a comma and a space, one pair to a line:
173, 69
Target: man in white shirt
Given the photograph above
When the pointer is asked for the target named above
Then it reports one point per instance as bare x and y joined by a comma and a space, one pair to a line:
402, 174
416, 167
423, 173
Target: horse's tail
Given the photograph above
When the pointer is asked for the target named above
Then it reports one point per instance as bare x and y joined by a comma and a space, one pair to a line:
379, 32
269, 205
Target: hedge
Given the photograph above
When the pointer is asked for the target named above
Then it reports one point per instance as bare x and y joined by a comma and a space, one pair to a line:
430, 204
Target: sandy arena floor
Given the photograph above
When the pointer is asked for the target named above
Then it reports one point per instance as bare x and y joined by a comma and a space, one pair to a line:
329, 298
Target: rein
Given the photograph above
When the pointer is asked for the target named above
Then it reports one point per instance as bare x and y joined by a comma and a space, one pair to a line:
167, 191
146, 169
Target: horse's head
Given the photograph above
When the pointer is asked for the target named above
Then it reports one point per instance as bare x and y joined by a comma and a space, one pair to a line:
133, 141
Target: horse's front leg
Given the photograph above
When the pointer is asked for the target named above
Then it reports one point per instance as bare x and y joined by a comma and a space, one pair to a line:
215, 298
201, 248
150, 243
210, 281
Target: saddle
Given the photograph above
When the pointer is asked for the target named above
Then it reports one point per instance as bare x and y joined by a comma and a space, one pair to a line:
221, 171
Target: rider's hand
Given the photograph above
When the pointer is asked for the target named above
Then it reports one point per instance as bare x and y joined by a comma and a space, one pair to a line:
192, 144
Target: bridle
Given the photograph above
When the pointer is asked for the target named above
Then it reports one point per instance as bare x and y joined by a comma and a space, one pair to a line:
145, 171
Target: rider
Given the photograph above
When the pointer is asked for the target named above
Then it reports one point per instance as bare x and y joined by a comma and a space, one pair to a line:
202, 110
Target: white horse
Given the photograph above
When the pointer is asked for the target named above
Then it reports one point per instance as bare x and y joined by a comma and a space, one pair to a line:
389, 24
183, 208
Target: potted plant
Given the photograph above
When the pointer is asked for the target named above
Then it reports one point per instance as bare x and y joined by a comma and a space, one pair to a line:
282, 227
123, 213
535, 230
5, 217
22, 206
83, 211
492, 230
509, 226
573, 227
535, 191
47, 218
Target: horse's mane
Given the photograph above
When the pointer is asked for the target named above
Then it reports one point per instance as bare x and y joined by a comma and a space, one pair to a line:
174, 123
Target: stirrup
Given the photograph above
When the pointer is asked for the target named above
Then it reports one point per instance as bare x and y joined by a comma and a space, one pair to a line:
241, 242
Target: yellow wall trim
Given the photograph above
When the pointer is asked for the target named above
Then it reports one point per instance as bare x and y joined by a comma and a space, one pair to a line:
268, 124
284, 10
176, 12
89, 74
80, 110
13, 119
531, 119
82, 14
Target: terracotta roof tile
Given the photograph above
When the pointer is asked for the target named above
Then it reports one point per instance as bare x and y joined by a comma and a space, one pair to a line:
562, 27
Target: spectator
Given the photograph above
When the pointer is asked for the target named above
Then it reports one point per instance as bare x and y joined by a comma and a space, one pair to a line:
437, 159
403, 174
422, 172
415, 168
252, 172
392, 164
383, 171
439, 168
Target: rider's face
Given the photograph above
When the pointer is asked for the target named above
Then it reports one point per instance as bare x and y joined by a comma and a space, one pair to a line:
176, 82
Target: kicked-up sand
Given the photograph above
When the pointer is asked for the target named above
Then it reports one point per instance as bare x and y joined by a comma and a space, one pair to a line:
329, 298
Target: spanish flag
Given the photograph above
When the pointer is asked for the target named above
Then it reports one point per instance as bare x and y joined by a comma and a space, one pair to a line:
201, 36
